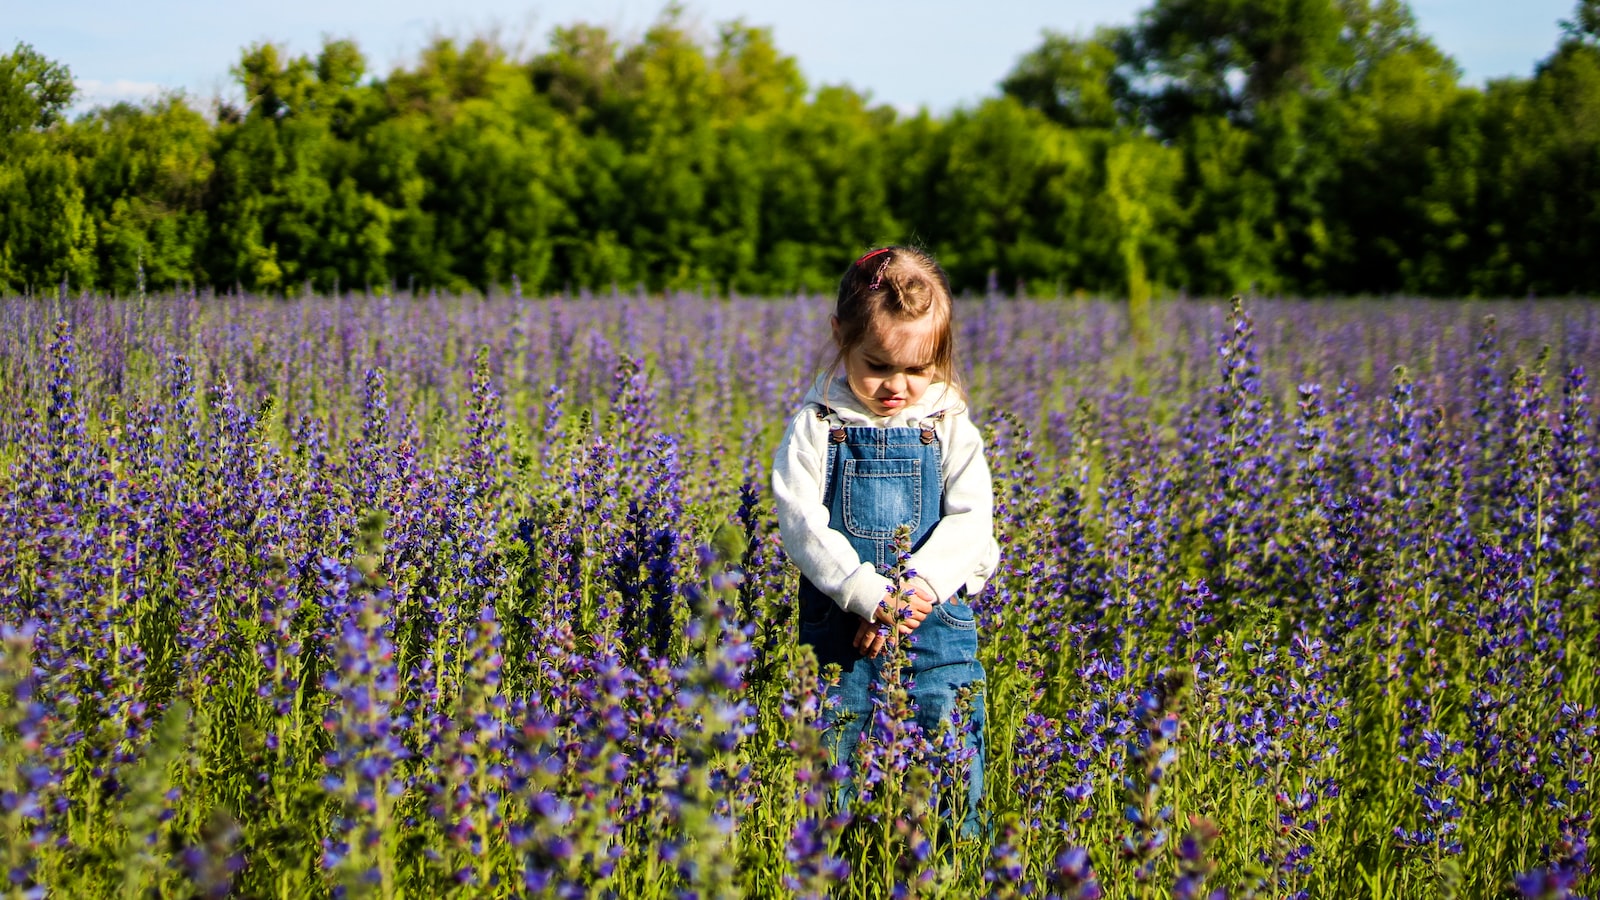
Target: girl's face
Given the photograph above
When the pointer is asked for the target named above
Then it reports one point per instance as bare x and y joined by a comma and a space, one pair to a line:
892, 366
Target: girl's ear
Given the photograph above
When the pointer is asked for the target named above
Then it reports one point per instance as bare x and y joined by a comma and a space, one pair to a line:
833, 322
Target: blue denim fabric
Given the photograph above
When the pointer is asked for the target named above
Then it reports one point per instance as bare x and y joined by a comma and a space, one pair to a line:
877, 480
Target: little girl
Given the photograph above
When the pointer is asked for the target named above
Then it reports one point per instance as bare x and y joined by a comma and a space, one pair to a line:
884, 443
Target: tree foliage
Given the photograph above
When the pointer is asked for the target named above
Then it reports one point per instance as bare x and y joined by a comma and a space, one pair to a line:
1213, 146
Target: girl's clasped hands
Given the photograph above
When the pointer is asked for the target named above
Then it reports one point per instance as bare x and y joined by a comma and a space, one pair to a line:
871, 637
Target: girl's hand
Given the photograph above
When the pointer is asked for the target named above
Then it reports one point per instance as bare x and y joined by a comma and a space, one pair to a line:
869, 642
921, 606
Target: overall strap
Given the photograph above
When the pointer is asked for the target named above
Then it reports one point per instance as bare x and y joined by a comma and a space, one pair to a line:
835, 425
836, 436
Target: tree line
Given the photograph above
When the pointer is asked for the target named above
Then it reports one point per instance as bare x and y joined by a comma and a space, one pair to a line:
1213, 146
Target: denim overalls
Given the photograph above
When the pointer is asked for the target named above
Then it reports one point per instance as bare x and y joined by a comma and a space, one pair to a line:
877, 480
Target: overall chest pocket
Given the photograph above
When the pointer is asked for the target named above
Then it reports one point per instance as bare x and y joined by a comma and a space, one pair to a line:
881, 495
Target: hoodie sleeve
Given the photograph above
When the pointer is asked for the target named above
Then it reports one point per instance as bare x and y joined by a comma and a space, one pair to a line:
822, 554
961, 551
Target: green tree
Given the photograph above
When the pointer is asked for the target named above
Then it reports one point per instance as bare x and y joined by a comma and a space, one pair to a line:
1010, 200
46, 235
1584, 26
1140, 181
1540, 198
144, 173
826, 196
1230, 239
1272, 103
670, 158
34, 91
286, 195
1215, 145
1075, 82
579, 77
1265, 68
1399, 203
489, 174
1126, 243
1197, 58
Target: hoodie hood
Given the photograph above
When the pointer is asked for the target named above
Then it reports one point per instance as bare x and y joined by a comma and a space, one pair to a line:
835, 394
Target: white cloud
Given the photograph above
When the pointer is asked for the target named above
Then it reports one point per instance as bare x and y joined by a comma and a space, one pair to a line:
92, 92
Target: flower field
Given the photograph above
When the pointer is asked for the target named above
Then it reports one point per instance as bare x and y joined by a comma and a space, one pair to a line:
421, 597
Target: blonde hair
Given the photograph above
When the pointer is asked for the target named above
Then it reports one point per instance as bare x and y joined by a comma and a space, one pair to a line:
903, 284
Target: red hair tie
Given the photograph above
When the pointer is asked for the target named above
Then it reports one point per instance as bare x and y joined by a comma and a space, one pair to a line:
877, 278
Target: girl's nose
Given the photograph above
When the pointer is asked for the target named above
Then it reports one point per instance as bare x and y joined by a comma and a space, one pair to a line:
896, 382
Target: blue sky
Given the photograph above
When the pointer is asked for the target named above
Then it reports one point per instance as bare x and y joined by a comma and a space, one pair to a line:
933, 53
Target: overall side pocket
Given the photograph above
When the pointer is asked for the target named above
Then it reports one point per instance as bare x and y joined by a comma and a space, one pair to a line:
816, 609
956, 615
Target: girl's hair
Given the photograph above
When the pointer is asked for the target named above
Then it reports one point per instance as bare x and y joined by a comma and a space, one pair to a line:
899, 283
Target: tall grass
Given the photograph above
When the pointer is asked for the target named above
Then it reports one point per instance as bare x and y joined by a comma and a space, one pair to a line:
429, 596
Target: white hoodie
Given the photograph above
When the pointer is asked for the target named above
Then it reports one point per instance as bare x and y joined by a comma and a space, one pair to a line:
961, 551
